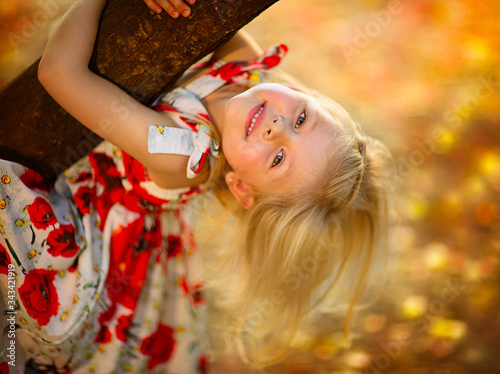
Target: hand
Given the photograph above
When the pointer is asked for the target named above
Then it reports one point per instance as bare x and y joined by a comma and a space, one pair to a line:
173, 7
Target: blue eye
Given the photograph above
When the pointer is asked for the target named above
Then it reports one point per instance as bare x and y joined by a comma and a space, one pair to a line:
300, 121
278, 159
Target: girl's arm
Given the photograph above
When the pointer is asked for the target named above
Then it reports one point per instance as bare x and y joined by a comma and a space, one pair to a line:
97, 103
241, 47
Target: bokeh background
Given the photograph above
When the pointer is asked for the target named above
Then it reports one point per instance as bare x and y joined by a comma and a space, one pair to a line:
424, 77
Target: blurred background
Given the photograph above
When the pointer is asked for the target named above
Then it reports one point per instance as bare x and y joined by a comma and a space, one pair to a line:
424, 77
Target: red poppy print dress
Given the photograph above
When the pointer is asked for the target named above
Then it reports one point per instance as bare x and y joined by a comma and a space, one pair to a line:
100, 273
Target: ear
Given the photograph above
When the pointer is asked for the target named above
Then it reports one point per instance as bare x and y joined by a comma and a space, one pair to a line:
240, 190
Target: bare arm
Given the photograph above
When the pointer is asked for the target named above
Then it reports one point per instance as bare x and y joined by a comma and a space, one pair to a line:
241, 47
97, 103
102, 106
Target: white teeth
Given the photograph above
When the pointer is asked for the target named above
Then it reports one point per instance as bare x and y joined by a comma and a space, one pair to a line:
254, 119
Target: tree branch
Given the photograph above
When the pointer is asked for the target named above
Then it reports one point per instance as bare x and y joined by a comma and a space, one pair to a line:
142, 52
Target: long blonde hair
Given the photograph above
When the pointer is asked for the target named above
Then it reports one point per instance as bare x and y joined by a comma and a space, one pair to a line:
314, 247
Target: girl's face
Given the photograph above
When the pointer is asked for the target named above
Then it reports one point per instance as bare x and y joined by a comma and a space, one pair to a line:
275, 137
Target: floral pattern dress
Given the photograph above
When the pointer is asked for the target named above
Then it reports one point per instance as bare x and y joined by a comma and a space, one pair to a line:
103, 270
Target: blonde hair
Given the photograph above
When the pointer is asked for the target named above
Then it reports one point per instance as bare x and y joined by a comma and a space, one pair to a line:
314, 247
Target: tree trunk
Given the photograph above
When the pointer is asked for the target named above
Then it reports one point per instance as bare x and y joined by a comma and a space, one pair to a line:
142, 52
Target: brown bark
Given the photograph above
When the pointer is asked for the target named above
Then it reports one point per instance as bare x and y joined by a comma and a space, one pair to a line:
141, 52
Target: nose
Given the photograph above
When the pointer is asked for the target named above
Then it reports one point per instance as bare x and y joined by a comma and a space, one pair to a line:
276, 128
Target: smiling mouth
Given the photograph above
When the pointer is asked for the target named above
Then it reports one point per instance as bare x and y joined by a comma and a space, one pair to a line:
253, 118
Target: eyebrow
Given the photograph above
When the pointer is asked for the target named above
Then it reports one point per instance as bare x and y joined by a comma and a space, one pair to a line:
311, 109
291, 163
317, 119
284, 172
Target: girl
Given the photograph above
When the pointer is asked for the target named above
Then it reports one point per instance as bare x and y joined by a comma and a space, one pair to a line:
105, 267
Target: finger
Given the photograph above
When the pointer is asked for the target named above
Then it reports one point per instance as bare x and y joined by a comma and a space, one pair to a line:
169, 8
181, 7
153, 5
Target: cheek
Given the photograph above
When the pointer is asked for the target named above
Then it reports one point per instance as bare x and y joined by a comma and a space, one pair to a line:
242, 157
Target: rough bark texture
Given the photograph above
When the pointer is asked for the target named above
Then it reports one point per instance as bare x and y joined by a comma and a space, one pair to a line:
141, 52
